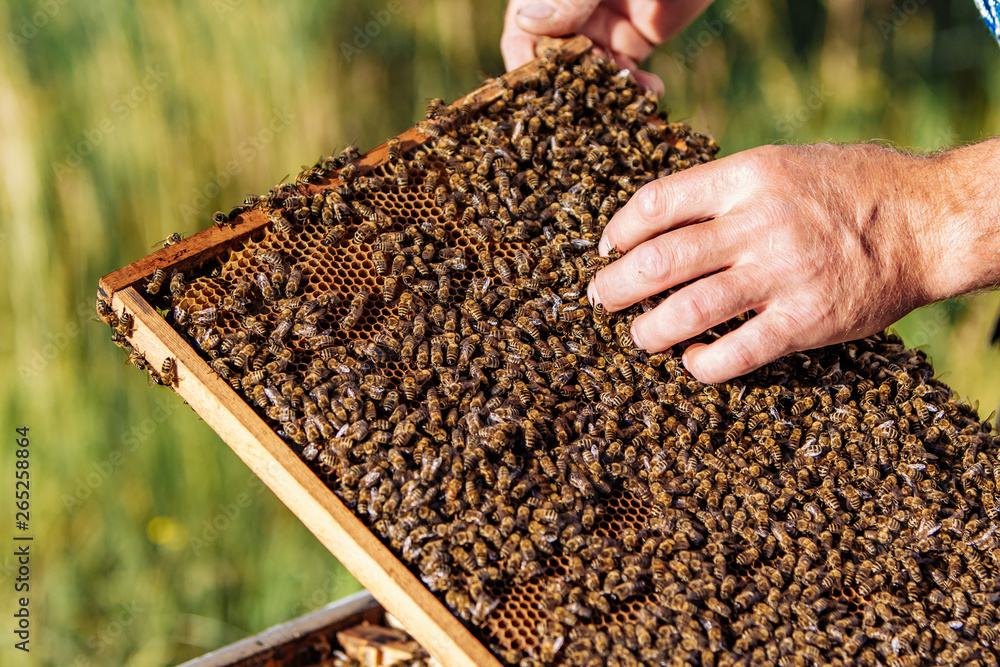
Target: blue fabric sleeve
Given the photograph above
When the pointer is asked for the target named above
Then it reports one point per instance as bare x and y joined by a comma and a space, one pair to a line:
990, 9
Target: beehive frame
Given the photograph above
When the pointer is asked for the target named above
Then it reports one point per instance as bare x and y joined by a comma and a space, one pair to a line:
865, 417
268, 456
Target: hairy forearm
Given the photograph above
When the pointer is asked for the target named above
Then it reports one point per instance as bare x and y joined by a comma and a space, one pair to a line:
957, 220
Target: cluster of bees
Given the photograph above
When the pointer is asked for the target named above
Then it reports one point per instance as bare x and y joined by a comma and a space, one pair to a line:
121, 330
468, 404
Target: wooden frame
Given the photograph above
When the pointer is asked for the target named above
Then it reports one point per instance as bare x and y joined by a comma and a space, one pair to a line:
352, 610
391, 583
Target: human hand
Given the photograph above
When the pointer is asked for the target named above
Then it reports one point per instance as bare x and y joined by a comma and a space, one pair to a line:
627, 29
824, 242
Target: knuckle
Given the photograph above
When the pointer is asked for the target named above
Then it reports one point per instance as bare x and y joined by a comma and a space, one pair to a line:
575, 11
767, 153
793, 263
652, 201
815, 314
653, 261
691, 308
766, 166
772, 229
742, 358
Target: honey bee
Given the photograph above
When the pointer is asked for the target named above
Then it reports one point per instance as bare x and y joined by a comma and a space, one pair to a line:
402, 175
392, 149
316, 205
465, 109
364, 233
155, 281
173, 239
293, 281
220, 367
443, 288
349, 172
177, 284
380, 262
280, 223
107, 314
426, 286
335, 202
405, 305
124, 324
264, 284
435, 107
420, 325
240, 359
208, 340
389, 289
219, 219
525, 147
356, 310
431, 179
334, 235
272, 259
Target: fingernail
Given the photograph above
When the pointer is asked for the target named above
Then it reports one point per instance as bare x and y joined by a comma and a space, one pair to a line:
635, 338
592, 294
604, 247
650, 82
686, 357
538, 11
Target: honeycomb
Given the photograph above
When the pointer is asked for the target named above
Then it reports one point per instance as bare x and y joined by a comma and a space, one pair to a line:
419, 334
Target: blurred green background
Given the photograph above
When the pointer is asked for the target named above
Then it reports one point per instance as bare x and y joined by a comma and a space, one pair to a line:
122, 122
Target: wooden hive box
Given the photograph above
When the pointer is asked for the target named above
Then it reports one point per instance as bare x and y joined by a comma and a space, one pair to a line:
356, 626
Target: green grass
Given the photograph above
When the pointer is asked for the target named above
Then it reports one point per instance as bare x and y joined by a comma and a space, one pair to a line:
164, 97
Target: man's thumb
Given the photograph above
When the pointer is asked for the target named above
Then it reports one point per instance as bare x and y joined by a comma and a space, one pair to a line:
554, 17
